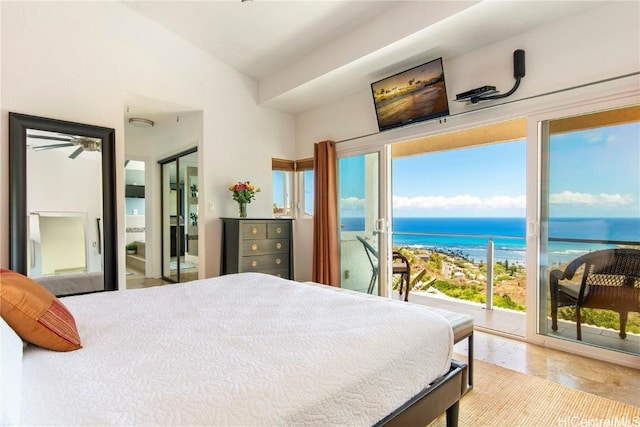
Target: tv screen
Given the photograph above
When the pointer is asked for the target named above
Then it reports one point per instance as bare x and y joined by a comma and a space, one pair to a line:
411, 96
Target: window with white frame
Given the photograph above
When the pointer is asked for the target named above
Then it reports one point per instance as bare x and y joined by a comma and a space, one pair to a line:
282, 191
293, 187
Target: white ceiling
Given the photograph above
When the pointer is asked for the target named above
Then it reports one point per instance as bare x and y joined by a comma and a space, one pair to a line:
307, 53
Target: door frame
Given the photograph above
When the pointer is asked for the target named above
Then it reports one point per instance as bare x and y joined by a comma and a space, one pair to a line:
384, 207
536, 131
173, 158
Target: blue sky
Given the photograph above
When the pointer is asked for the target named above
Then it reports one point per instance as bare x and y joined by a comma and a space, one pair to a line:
482, 181
593, 173
278, 194
596, 172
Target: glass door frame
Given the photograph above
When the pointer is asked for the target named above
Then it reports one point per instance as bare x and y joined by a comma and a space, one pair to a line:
179, 200
601, 95
537, 129
383, 223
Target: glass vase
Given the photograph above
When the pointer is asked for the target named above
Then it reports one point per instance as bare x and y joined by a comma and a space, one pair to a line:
242, 210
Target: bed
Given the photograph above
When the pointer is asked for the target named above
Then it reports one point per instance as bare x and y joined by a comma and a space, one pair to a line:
244, 349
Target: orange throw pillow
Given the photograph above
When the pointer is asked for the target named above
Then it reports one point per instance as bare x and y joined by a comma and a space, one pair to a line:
36, 314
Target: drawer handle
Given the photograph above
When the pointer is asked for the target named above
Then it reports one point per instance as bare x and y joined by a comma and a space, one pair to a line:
278, 230
278, 245
278, 261
254, 263
254, 247
254, 230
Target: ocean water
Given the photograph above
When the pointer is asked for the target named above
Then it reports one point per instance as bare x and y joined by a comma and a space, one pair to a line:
469, 236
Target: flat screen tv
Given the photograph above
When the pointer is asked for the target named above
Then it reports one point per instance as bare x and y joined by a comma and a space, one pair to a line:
411, 96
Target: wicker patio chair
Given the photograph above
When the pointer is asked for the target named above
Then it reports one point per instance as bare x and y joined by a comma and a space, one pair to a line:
402, 267
610, 281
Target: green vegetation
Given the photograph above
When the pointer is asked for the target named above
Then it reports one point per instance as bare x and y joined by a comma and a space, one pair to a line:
441, 270
472, 293
505, 301
475, 293
435, 261
504, 271
602, 318
457, 276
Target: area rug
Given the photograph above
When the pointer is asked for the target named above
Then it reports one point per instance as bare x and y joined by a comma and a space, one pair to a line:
502, 397
173, 265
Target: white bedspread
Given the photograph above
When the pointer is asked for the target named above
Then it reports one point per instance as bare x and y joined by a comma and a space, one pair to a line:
245, 349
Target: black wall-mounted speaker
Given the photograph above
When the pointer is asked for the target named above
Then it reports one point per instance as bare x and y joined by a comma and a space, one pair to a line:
518, 63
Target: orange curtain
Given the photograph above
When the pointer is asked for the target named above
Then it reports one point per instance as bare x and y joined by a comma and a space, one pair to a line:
326, 262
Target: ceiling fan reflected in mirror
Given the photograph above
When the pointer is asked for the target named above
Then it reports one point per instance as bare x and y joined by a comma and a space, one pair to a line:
82, 142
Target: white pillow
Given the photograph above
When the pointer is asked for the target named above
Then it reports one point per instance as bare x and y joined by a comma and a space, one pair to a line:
10, 375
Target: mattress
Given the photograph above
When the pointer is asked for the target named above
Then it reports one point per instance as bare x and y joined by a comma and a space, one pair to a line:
242, 349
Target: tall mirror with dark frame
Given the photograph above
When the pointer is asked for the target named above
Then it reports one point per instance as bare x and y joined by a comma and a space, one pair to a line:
62, 215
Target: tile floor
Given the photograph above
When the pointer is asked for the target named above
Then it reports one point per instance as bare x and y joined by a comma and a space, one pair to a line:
604, 379
136, 279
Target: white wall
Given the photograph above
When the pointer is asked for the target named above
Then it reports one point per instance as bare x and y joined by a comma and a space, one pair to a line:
601, 43
77, 61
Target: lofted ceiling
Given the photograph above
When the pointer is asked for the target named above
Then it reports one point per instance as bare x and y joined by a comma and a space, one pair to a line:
308, 53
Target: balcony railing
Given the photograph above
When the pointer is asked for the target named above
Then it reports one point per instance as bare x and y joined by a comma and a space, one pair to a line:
489, 239
492, 248
490, 255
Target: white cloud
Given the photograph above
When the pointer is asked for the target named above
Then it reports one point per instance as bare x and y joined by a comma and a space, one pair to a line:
466, 201
351, 203
574, 198
463, 201
594, 136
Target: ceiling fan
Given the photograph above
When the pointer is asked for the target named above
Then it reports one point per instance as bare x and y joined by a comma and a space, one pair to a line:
84, 143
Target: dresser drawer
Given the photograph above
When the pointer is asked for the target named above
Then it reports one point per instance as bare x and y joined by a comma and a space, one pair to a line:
253, 230
284, 274
278, 230
262, 263
265, 246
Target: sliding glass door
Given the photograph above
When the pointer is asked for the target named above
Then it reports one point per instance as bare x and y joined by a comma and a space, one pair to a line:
590, 201
180, 217
363, 225
580, 194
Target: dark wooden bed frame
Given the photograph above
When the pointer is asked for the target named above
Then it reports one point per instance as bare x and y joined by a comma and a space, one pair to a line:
443, 395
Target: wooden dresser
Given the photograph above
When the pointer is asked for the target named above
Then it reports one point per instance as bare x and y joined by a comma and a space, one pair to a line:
258, 245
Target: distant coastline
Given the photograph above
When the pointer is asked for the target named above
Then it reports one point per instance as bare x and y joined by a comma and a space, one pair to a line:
468, 237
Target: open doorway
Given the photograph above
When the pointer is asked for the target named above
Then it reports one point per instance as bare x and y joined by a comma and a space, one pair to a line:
156, 130
135, 223
179, 176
